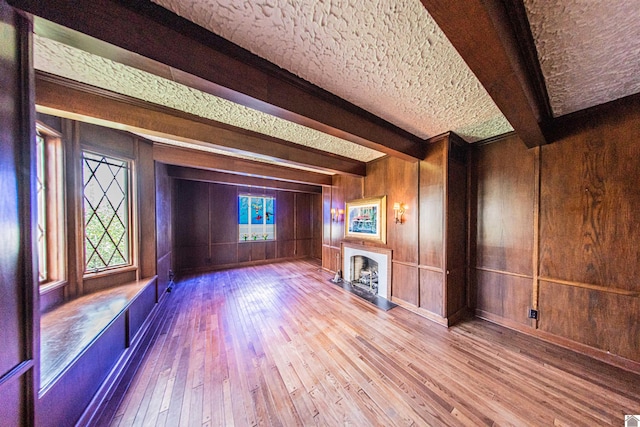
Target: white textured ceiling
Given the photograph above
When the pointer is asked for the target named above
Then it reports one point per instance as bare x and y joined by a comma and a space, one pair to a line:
66, 61
386, 56
589, 50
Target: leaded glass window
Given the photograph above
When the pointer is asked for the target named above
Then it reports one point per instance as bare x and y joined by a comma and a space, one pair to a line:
41, 193
106, 212
256, 218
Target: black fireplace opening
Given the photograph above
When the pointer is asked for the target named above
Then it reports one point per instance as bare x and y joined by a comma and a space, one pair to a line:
364, 273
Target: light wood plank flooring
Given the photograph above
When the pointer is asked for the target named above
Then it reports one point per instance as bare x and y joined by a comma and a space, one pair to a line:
280, 345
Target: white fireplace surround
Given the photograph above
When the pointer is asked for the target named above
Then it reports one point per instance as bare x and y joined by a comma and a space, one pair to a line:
380, 255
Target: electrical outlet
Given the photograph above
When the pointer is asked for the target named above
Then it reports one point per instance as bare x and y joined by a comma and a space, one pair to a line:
533, 314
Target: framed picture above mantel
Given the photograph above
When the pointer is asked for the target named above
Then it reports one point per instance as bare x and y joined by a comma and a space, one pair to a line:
366, 219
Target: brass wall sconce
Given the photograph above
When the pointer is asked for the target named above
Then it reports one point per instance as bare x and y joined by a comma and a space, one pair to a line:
398, 212
336, 214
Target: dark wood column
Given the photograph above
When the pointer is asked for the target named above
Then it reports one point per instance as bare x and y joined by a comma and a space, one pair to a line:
18, 287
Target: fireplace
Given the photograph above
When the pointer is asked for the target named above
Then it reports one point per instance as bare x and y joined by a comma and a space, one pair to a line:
364, 273
368, 268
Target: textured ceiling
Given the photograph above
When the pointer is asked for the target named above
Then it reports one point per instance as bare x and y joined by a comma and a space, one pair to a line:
386, 56
589, 50
66, 61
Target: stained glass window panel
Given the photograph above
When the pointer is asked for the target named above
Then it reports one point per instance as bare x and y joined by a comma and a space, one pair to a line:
256, 218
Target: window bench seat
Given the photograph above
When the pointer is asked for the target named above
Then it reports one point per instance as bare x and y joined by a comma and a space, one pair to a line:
82, 341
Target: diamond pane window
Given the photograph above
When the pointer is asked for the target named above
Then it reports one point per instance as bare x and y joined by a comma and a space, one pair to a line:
41, 193
106, 212
256, 218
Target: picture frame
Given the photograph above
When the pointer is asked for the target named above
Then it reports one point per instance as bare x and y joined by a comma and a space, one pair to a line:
366, 219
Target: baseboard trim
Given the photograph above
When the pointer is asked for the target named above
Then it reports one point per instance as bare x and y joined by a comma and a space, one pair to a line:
593, 352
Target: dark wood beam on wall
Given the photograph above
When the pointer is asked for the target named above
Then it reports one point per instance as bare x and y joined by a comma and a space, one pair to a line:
242, 180
481, 32
214, 162
58, 96
220, 67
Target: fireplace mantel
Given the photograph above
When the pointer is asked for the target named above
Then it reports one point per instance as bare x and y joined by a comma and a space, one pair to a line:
381, 255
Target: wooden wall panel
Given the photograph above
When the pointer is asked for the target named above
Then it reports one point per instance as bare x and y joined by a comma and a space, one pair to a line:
303, 217
303, 248
225, 253
326, 216
286, 248
431, 208
140, 310
258, 251
317, 225
374, 182
244, 252
504, 296
223, 211
271, 250
401, 186
163, 223
589, 206
13, 411
603, 320
146, 209
344, 189
456, 239
190, 213
456, 290
431, 291
191, 257
112, 142
285, 217
19, 337
326, 258
405, 283
506, 197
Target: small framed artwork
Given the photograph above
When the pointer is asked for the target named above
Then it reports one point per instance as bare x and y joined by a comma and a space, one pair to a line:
366, 219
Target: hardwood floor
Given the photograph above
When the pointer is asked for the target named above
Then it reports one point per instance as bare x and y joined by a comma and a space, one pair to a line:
280, 345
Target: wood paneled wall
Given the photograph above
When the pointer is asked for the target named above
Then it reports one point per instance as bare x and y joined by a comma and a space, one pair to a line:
398, 180
205, 226
505, 180
344, 188
164, 242
429, 266
557, 231
19, 350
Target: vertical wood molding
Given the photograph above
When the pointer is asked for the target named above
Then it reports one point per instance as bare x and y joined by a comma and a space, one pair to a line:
445, 223
536, 234
30, 215
74, 210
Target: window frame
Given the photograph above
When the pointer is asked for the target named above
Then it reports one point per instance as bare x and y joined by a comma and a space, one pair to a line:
249, 236
132, 212
54, 194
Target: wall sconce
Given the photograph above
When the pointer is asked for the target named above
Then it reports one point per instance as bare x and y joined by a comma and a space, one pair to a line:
336, 214
398, 212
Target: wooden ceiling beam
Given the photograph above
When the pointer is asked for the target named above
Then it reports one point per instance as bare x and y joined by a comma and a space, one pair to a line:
481, 32
242, 180
185, 157
61, 96
219, 67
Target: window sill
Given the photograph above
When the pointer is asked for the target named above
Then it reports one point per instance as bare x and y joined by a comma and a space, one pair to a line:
257, 241
45, 288
110, 271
